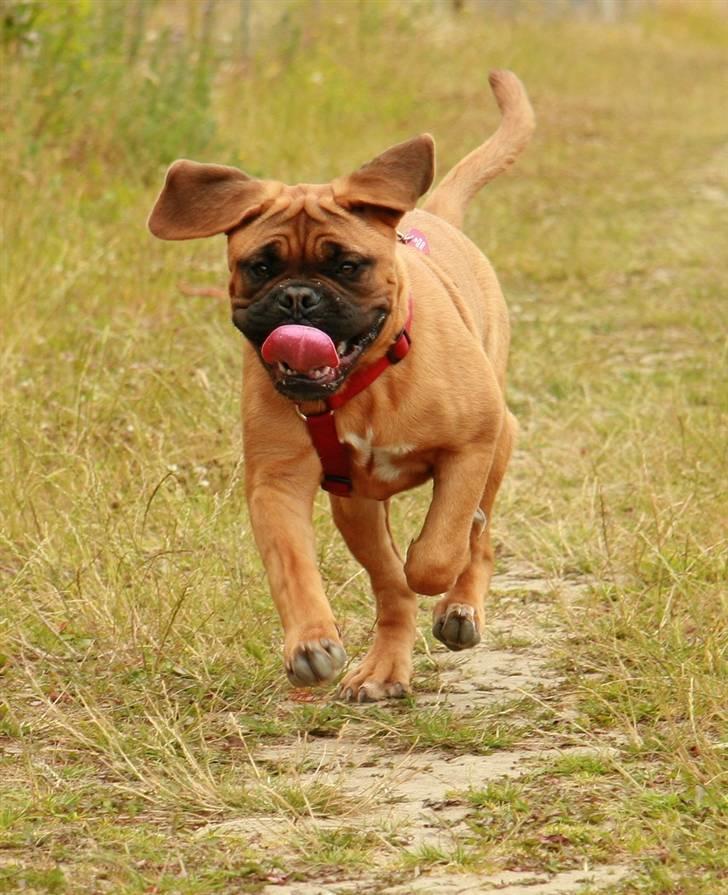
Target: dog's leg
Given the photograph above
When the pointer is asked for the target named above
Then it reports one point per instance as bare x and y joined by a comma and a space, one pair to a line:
387, 667
441, 552
280, 514
458, 617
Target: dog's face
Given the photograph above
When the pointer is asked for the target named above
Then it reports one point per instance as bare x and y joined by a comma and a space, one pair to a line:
313, 264
320, 256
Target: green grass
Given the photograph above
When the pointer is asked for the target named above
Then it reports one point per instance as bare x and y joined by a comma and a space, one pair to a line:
559, 819
140, 678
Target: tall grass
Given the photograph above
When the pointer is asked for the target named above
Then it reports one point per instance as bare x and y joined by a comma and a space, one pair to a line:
140, 669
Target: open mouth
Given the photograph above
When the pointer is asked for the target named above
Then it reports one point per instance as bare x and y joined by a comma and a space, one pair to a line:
303, 382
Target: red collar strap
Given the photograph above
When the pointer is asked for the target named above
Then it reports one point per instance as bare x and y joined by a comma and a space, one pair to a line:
335, 457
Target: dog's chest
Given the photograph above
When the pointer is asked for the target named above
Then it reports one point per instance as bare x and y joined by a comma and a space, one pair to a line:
381, 462
390, 467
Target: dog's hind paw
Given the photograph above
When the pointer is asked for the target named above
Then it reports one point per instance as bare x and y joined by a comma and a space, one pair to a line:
314, 662
457, 626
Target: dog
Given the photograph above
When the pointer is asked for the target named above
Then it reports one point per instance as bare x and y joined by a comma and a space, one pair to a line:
376, 341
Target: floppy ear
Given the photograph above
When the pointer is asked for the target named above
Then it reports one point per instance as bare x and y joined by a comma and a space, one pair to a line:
202, 200
390, 184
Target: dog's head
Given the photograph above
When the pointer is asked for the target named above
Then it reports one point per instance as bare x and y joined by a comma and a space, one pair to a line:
313, 256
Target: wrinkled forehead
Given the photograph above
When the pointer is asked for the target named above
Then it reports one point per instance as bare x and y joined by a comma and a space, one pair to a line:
304, 221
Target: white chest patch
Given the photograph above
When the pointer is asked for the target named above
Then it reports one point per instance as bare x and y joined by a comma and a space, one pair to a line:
381, 458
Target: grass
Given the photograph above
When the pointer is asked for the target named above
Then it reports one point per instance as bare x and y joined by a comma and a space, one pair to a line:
141, 690
583, 813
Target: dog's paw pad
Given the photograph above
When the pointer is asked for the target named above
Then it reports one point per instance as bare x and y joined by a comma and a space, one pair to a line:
315, 662
457, 627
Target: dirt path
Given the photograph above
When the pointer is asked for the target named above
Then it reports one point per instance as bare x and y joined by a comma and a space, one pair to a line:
409, 792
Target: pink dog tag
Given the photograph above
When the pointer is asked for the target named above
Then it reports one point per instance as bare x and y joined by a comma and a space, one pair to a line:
418, 240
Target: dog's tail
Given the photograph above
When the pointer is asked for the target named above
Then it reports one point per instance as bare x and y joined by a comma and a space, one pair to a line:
459, 185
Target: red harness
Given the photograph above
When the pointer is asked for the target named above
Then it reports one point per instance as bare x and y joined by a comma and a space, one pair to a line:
335, 456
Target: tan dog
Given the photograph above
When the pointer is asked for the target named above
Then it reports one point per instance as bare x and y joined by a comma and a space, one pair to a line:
322, 285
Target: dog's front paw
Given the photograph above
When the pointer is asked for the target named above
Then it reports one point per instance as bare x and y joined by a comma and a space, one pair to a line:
371, 682
315, 661
456, 625
373, 691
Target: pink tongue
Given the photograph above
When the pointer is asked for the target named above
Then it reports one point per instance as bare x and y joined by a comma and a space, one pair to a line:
303, 348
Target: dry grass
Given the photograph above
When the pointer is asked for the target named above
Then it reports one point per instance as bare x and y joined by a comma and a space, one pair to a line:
140, 664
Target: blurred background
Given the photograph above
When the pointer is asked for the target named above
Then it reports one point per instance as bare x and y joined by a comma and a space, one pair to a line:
131, 84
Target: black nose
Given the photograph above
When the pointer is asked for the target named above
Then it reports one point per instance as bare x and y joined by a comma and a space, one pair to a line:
298, 300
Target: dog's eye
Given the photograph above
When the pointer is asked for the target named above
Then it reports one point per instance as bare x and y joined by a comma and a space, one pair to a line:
348, 268
260, 270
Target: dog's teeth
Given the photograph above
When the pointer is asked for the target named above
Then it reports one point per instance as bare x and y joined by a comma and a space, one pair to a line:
341, 349
319, 372
281, 367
